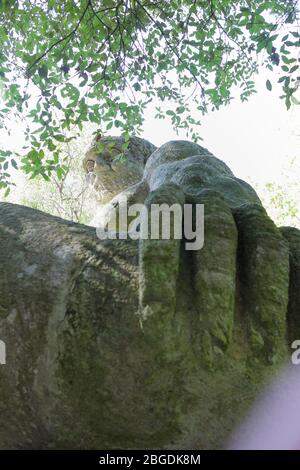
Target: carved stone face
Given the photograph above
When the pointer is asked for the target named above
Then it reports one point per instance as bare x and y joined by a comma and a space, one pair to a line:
114, 169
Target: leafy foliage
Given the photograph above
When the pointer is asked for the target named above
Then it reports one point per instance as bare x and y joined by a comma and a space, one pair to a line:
281, 197
66, 62
70, 196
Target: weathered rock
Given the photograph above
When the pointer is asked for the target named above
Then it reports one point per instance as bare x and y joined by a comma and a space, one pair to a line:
120, 344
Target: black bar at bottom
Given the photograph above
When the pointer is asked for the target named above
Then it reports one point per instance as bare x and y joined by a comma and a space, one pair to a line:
133, 459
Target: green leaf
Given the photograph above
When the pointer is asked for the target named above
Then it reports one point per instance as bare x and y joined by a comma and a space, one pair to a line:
59, 137
43, 71
14, 163
281, 79
269, 85
51, 146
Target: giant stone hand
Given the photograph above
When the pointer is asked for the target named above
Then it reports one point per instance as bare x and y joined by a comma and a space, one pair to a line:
236, 287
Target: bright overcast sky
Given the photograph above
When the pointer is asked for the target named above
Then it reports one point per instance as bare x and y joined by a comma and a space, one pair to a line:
255, 138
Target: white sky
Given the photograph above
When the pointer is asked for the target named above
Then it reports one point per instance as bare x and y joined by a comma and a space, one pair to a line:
255, 138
